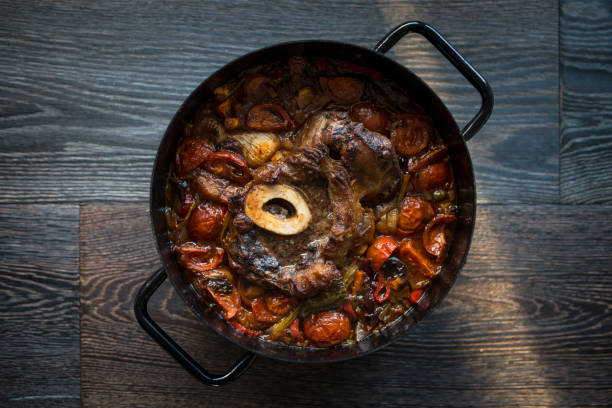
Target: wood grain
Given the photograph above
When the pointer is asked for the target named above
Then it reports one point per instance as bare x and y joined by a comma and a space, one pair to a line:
39, 316
87, 89
528, 323
586, 75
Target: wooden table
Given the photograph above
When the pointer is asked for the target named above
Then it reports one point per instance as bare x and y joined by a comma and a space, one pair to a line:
86, 91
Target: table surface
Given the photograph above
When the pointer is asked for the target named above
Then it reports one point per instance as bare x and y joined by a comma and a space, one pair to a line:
86, 91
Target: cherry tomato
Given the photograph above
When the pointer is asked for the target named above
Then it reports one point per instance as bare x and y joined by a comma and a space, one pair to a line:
433, 176
228, 165
206, 221
190, 154
268, 117
380, 250
199, 259
271, 307
373, 117
413, 216
343, 89
242, 328
327, 329
411, 252
410, 134
435, 235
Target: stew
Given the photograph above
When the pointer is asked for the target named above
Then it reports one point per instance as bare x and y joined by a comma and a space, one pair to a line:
311, 202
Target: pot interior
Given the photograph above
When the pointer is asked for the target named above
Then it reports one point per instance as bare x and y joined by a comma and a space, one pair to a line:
422, 95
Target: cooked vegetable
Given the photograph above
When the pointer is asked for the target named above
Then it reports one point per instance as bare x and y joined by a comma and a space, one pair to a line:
224, 109
225, 294
190, 154
387, 224
379, 295
327, 329
409, 252
199, 259
410, 134
330, 299
257, 147
349, 274
357, 283
414, 215
206, 221
373, 117
242, 328
268, 117
435, 235
432, 176
295, 331
380, 250
277, 330
186, 205
350, 312
415, 295
228, 165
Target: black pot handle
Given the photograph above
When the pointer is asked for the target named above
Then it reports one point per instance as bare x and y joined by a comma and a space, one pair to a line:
140, 309
453, 56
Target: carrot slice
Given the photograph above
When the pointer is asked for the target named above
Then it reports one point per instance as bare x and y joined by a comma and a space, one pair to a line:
409, 252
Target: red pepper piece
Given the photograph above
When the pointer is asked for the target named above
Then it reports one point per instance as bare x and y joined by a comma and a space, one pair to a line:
380, 283
348, 309
415, 295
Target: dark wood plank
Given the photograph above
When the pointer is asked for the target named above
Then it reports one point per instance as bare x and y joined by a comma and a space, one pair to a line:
88, 88
528, 323
39, 317
586, 75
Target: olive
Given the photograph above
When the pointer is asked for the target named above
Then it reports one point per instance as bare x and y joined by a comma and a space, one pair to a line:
440, 195
393, 267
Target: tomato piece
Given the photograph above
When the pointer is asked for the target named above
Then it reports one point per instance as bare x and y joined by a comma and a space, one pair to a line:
380, 250
190, 154
295, 331
373, 117
199, 259
413, 216
433, 176
279, 303
186, 205
268, 117
228, 165
411, 253
225, 294
271, 307
327, 329
206, 221
262, 313
411, 134
415, 295
343, 89
380, 283
348, 309
435, 235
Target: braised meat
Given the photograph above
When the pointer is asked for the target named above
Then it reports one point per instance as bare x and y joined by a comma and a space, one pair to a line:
299, 264
369, 157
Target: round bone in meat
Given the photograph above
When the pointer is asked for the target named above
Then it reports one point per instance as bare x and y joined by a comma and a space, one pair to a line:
261, 194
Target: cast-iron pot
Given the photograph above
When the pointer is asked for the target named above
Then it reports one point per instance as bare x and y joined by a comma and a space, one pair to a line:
422, 95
